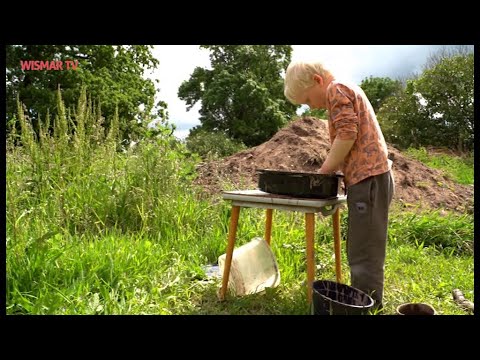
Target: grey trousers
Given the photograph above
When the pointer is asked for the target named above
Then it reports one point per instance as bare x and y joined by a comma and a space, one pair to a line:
368, 203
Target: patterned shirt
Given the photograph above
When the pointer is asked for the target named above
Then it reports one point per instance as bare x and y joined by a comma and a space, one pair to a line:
351, 117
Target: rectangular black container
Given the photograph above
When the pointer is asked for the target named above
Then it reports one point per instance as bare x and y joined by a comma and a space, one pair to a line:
299, 184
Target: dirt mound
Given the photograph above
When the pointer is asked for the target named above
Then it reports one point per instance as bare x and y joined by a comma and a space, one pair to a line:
303, 145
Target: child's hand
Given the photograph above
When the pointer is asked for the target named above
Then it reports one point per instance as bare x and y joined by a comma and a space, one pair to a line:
325, 170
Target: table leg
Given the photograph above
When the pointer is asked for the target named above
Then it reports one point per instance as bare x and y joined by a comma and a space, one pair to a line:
268, 226
232, 233
337, 244
309, 232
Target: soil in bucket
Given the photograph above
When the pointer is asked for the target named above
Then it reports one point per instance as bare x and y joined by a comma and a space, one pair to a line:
415, 309
332, 298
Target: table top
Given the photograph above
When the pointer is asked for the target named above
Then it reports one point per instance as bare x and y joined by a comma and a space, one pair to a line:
261, 197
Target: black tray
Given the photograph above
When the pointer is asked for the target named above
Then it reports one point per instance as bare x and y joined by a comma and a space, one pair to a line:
299, 184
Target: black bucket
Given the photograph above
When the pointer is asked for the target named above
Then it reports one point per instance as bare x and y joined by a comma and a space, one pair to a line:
416, 309
332, 298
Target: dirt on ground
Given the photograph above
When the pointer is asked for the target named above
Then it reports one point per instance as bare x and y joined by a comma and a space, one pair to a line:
303, 146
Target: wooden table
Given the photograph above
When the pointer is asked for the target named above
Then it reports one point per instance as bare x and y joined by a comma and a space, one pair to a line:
260, 199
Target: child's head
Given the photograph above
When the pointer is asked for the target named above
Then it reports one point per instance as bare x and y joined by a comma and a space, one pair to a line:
306, 83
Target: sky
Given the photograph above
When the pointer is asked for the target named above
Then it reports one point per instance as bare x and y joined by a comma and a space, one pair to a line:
347, 62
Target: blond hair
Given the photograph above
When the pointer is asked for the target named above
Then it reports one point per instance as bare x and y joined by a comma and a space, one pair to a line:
299, 76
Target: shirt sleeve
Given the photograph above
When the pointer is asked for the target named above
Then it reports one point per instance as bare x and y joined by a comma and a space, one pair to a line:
342, 113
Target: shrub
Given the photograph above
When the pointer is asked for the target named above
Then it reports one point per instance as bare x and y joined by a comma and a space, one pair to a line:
215, 144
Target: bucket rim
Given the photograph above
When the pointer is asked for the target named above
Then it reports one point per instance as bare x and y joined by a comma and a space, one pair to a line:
371, 301
416, 303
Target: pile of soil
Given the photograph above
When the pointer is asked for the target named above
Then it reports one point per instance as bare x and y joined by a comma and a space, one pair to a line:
303, 145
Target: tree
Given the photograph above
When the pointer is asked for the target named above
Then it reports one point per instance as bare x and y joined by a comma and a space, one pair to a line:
378, 89
448, 89
242, 95
112, 75
437, 108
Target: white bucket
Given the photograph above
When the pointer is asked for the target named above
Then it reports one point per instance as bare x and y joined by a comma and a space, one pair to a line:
253, 269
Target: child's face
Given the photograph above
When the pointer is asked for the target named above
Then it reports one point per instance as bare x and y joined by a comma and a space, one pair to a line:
315, 96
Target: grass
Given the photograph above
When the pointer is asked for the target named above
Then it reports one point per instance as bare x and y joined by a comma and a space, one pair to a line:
119, 274
125, 232
419, 274
459, 169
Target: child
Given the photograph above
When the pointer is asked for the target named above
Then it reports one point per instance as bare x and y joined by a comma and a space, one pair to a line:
359, 150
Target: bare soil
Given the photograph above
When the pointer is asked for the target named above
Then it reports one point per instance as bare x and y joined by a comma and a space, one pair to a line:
303, 146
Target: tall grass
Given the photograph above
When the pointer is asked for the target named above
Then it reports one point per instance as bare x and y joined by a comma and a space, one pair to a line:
71, 187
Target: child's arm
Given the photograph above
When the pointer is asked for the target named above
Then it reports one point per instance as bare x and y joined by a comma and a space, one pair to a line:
334, 160
345, 121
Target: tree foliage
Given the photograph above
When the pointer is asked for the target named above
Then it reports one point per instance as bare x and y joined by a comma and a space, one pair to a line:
448, 89
242, 93
113, 75
403, 119
378, 89
437, 108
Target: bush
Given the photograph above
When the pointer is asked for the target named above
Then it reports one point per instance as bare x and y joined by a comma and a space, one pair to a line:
213, 144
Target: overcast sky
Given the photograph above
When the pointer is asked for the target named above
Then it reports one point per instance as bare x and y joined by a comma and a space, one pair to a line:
348, 62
